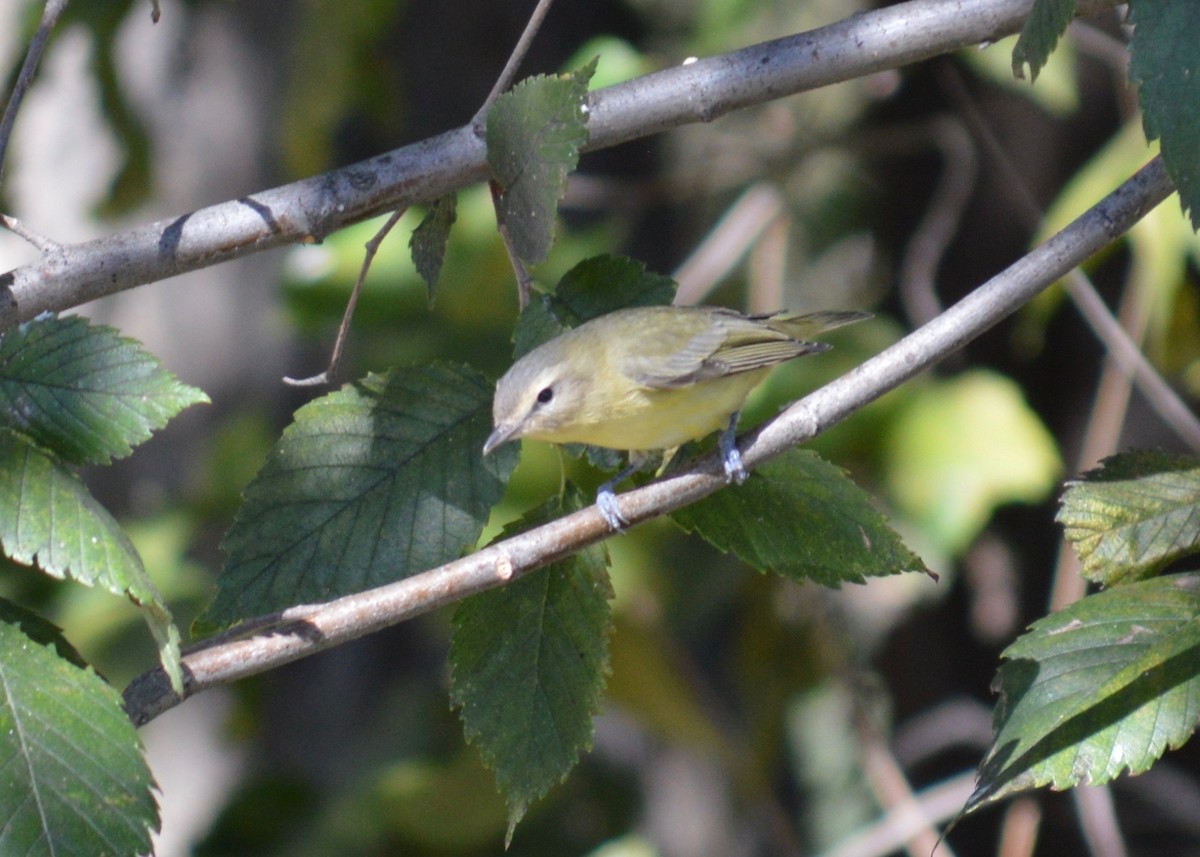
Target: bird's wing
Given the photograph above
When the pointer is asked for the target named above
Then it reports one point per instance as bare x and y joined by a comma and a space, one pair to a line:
674, 367
728, 345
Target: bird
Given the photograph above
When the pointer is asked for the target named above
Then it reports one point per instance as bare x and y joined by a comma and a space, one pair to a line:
649, 379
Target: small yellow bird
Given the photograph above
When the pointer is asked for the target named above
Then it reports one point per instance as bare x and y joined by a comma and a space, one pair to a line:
650, 379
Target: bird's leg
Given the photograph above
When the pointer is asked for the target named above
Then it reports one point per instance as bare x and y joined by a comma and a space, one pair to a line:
606, 498
735, 471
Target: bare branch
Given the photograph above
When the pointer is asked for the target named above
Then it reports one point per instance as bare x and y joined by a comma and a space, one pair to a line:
299, 631
310, 209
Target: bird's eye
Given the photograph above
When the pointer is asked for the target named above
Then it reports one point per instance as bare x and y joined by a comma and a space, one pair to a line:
545, 395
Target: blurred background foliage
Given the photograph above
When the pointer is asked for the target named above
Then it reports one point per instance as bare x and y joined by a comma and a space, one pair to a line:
747, 715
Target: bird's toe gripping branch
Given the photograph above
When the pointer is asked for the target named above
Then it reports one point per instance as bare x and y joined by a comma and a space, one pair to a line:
735, 471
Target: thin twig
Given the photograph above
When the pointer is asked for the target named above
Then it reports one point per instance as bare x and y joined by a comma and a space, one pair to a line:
1094, 804
1019, 830
891, 789
16, 227
504, 81
330, 375
900, 823
303, 630
940, 222
37, 46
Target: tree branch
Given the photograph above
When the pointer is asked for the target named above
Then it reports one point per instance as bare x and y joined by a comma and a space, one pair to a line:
308, 210
300, 631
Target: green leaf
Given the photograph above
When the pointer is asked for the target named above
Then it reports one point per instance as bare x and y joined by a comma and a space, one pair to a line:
429, 239
1165, 66
1134, 516
594, 287
1047, 21
604, 284
539, 322
963, 447
801, 517
534, 134
83, 391
74, 778
372, 483
48, 518
528, 665
1102, 686
40, 631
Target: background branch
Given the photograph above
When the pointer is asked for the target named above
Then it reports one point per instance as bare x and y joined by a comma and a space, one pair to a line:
308, 210
37, 46
304, 630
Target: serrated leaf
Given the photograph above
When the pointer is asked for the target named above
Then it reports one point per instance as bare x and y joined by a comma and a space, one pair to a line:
801, 517
961, 448
1103, 686
372, 483
538, 323
534, 134
48, 518
1165, 66
594, 287
74, 778
428, 242
604, 284
1134, 516
528, 665
40, 631
83, 391
1047, 21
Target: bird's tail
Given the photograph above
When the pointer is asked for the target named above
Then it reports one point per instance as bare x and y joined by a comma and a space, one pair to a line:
807, 325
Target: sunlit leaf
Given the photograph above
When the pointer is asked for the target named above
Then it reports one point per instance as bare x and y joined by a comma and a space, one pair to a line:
963, 447
1134, 516
83, 391
1101, 687
48, 518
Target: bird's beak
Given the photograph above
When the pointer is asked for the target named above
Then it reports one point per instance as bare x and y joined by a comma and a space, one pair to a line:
500, 435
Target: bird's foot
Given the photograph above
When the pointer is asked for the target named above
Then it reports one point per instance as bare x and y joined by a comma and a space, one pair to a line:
606, 501
735, 471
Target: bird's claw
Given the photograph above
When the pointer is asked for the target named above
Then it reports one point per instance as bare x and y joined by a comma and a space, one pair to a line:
735, 471
606, 501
